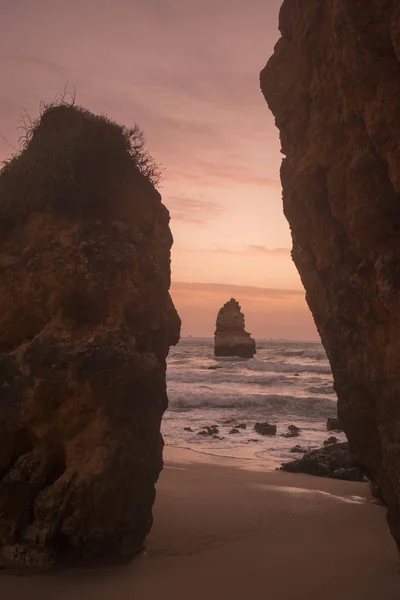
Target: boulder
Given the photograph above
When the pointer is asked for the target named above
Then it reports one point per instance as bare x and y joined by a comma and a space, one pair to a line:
331, 440
209, 430
299, 450
234, 430
333, 85
335, 461
231, 339
188, 429
86, 322
294, 429
265, 429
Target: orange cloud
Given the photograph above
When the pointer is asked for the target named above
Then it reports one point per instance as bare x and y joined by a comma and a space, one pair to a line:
245, 251
210, 176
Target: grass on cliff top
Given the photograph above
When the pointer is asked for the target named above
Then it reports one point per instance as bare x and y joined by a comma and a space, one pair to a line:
71, 160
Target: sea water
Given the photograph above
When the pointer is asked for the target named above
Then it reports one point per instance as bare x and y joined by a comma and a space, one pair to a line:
286, 383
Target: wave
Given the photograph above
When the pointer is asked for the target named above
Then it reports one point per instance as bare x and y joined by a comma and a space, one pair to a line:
216, 377
313, 353
286, 367
317, 354
321, 389
277, 404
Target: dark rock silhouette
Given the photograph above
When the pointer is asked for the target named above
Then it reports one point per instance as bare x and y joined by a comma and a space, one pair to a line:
331, 440
86, 321
335, 461
299, 450
333, 85
334, 424
231, 339
209, 430
265, 429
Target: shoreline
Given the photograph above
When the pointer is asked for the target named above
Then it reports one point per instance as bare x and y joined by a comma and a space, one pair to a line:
223, 530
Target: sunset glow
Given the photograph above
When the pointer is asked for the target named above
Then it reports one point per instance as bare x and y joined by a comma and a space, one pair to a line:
192, 85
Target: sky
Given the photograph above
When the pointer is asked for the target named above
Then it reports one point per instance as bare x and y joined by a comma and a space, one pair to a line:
188, 73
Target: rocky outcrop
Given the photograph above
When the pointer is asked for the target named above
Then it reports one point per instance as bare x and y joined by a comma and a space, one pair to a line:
334, 460
86, 321
333, 85
231, 339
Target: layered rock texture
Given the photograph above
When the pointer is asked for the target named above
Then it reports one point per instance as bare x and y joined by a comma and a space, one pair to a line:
333, 85
86, 321
231, 338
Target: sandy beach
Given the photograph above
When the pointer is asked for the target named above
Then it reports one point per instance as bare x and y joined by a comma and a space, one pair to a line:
226, 529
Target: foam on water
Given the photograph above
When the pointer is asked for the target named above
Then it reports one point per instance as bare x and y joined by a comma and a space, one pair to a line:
287, 382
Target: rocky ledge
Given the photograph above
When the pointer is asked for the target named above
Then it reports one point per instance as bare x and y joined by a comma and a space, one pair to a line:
86, 321
231, 338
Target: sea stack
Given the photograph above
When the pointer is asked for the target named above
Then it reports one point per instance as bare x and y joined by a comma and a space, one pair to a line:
333, 85
231, 338
86, 322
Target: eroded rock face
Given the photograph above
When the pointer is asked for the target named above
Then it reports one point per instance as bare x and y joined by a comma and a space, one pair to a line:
333, 85
86, 321
231, 338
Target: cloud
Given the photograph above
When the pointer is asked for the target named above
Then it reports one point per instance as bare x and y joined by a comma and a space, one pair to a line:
244, 251
43, 63
208, 175
194, 211
269, 251
191, 288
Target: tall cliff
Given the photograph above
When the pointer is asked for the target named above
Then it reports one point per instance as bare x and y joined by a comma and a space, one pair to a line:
231, 338
333, 85
86, 322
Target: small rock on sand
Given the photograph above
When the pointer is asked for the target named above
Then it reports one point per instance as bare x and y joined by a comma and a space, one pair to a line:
331, 440
265, 429
298, 449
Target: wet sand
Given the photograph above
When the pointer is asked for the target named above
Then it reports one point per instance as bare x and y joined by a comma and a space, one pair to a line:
226, 529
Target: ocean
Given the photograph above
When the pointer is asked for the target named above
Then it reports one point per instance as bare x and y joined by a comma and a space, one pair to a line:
286, 383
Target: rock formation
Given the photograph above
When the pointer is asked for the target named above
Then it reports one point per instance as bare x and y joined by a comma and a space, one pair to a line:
265, 429
231, 339
86, 321
334, 460
333, 85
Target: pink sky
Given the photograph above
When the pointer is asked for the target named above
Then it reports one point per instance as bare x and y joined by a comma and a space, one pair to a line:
187, 72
